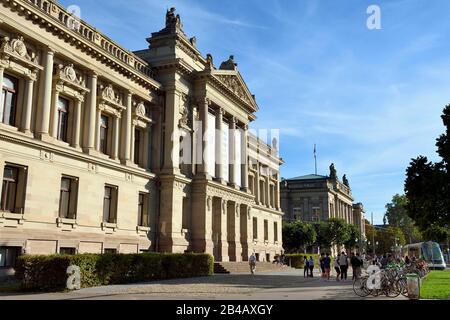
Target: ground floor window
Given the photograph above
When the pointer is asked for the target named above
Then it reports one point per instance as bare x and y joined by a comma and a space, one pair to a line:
65, 250
110, 250
8, 256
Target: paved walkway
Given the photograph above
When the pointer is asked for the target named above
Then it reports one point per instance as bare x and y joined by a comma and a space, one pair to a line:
280, 285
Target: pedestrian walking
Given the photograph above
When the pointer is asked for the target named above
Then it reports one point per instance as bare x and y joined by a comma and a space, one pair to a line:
321, 265
337, 268
343, 264
311, 266
305, 267
252, 263
327, 266
354, 261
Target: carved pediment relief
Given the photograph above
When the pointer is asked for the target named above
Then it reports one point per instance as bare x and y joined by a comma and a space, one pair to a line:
67, 74
141, 117
109, 101
25, 59
17, 47
236, 85
185, 121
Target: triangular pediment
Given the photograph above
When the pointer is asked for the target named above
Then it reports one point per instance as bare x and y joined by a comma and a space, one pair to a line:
232, 79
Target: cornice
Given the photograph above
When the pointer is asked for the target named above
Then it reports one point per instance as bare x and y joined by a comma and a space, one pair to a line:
46, 147
86, 39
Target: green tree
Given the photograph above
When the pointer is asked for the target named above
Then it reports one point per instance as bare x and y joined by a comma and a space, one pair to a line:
388, 238
427, 187
297, 235
322, 238
338, 231
397, 216
354, 239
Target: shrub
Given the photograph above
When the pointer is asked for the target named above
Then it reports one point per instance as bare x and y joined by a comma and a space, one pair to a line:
47, 273
297, 259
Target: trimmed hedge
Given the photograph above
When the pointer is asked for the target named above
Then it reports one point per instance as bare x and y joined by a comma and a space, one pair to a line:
48, 273
297, 259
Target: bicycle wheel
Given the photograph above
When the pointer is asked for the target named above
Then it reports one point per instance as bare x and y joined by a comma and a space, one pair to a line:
391, 290
402, 285
360, 288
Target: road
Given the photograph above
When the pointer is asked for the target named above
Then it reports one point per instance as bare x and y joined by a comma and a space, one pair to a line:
287, 284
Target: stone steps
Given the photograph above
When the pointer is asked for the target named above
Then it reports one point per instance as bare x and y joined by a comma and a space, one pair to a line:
243, 267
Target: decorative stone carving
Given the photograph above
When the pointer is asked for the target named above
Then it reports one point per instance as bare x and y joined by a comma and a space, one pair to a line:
173, 21
68, 73
345, 181
333, 172
109, 94
224, 207
228, 64
237, 210
185, 121
140, 110
209, 61
209, 203
232, 83
18, 48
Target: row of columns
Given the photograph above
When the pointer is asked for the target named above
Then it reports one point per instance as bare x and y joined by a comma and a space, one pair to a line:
219, 169
92, 116
269, 196
344, 211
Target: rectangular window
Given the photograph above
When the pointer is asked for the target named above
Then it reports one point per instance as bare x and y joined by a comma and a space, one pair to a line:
266, 230
68, 198
63, 119
104, 127
8, 101
275, 231
8, 256
110, 204
13, 189
255, 228
143, 210
70, 251
137, 145
110, 251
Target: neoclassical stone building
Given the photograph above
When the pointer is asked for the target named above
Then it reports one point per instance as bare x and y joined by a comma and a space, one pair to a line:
107, 150
315, 197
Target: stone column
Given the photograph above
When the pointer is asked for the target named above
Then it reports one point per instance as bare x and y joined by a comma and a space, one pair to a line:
234, 233
54, 132
91, 112
268, 190
126, 127
219, 145
97, 129
77, 124
44, 124
277, 195
244, 160
147, 147
26, 120
2, 72
203, 105
133, 128
171, 132
115, 146
232, 153
223, 238
257, 189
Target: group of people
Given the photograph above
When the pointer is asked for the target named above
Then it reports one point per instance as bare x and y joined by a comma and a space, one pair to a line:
340, 263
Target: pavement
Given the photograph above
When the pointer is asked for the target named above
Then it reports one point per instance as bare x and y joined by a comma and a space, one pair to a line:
286, 284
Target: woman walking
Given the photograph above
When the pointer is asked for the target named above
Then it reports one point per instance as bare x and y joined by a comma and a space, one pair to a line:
311, 265
337, 267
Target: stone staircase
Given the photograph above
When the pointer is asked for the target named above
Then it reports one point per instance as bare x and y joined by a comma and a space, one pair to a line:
243, 267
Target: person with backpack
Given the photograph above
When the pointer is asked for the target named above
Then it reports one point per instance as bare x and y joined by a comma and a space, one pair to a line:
305, 267
252, 263
343, 264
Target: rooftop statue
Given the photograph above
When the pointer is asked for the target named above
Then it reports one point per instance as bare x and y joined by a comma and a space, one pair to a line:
345, 180
229, 64
333, 173
172, 20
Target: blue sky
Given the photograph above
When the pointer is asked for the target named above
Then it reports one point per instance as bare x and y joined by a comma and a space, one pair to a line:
370, 99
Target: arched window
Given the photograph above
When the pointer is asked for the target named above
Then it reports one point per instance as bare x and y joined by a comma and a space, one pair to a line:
8, 100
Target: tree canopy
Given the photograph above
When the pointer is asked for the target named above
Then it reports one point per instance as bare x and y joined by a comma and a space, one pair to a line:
297, 235
427, 188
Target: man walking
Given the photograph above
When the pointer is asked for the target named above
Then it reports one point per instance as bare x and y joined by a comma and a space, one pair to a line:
252, 263
354, 261
327, 266
343, 264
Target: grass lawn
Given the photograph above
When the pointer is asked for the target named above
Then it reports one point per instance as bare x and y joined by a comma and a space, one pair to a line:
436, 285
